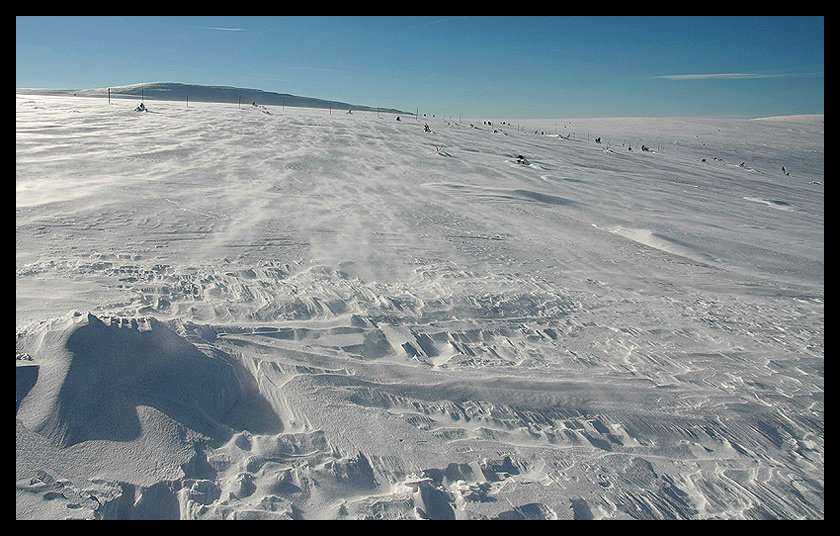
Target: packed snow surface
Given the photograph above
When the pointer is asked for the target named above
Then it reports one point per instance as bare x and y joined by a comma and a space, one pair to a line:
257, 312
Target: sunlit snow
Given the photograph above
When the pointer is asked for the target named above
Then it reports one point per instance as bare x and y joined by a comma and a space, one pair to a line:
257, 311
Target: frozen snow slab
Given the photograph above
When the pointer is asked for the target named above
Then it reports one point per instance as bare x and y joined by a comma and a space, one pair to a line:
227, 313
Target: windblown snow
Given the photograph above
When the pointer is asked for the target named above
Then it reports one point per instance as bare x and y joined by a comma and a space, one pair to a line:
265, 312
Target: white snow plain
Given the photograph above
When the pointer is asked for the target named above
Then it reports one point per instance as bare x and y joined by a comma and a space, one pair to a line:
291, 313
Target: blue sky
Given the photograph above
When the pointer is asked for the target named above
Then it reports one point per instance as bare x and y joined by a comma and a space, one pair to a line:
476, 67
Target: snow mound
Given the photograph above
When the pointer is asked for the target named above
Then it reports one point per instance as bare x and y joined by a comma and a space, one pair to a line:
112, 369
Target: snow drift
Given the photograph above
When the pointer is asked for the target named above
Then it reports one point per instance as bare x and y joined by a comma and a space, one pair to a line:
224, 313
112, 370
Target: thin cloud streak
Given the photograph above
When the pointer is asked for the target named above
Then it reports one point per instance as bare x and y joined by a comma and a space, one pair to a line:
733, 76
221, 29
439, 21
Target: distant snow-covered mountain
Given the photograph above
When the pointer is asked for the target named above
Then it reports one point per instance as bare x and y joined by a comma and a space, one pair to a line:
173, 91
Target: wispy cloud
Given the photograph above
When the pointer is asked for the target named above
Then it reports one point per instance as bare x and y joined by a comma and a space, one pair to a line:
221, 29
734, 76
324, 70
439, 21
316, 69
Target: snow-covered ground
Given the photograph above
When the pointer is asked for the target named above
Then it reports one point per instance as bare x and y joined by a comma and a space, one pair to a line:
287, 313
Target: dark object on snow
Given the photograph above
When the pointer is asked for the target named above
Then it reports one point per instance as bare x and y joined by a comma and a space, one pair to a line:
141, 108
